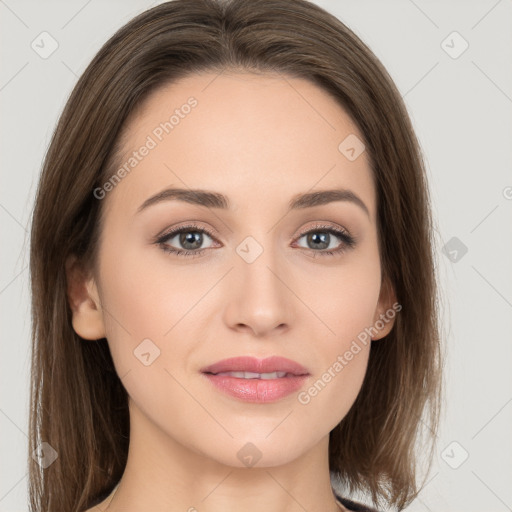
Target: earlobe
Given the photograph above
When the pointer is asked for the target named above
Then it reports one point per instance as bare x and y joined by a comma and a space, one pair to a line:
84, 301
385, 314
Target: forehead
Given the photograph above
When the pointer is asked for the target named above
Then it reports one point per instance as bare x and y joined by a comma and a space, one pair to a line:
249, 135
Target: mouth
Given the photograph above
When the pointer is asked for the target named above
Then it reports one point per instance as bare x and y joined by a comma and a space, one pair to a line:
252, 375
247, 367
256, 380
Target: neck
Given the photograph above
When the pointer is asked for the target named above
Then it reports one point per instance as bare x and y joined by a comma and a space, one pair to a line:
163, 475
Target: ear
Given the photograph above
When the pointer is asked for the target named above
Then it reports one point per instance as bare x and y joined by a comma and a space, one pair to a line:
385, 313
84, 301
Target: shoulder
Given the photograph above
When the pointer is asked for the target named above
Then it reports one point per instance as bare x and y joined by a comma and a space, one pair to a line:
354, 506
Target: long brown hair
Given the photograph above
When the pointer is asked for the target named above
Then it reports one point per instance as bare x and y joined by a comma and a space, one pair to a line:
79, 406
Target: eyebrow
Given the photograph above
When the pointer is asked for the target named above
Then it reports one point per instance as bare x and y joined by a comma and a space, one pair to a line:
216, 200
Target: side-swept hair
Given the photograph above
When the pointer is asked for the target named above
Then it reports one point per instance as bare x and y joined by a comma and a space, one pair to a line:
78, 403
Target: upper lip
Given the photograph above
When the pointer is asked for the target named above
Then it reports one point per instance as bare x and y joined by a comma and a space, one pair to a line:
254, 365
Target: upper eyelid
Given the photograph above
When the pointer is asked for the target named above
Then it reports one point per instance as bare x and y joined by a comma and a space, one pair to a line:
173, 231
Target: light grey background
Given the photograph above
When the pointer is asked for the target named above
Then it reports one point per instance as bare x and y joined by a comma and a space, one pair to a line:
461, 108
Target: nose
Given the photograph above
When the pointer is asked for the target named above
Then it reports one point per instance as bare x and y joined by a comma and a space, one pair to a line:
260, 300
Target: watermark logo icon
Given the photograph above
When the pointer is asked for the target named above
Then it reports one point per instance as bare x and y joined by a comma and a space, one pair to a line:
249, 454
454, 455
454, 45
351, 147
44, 45
146, 352
44, 455
249, 249
454, 249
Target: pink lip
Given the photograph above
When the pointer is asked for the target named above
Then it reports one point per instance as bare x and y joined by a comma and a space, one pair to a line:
251, 364
257, 390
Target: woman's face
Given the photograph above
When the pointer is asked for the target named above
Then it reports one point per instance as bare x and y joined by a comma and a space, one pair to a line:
254, 282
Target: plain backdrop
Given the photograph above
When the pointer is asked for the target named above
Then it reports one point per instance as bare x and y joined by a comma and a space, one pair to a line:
452, 62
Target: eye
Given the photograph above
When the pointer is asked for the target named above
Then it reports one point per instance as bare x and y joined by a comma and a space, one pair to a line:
190, 237
320, 238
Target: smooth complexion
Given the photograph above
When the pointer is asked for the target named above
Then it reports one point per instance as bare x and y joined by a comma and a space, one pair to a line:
260, 140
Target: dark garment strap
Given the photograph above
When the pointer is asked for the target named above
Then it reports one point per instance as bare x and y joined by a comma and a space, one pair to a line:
354, 506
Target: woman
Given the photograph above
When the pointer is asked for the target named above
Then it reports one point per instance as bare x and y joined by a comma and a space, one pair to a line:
234, 297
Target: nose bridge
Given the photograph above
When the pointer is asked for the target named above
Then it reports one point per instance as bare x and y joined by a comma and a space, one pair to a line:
259, 262
261, 301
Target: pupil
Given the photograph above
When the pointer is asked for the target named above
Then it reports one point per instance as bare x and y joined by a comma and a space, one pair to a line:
321, 238
191, 238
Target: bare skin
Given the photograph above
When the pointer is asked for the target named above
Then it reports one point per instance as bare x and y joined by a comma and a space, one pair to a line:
259, 140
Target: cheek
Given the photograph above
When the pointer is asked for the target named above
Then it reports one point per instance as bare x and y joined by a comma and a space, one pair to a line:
143, 296
344, 296
136, 315
152, 309
343, 351
345, 302
144, 313
334, 387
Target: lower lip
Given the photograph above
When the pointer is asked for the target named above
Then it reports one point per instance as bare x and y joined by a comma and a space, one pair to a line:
257, 390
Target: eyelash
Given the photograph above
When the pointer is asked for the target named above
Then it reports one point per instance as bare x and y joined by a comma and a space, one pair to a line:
348, 241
